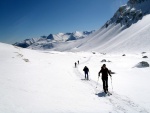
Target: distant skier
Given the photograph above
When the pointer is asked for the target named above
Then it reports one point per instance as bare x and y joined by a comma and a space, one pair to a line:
75, 64
78, 61
86, 70
104, 70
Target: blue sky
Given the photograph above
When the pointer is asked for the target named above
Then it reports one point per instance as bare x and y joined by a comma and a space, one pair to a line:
22, 19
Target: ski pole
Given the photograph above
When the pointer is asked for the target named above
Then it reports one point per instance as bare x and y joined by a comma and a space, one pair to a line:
111, 83
88, 77
97, 82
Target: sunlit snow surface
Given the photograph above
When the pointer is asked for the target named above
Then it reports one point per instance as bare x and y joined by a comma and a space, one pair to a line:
47, 82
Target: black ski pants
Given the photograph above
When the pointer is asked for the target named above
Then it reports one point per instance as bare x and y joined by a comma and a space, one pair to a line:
86, 76
105, 84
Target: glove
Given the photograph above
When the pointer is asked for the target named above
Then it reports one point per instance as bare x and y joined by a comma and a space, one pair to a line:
99, 74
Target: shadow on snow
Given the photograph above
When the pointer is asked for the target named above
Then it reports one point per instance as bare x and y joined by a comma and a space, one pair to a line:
101, 94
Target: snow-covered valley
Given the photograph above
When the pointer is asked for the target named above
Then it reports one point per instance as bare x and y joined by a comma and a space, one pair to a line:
47, 82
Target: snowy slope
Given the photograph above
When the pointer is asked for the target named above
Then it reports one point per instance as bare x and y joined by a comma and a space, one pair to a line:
113, 39
47, 82
127, 31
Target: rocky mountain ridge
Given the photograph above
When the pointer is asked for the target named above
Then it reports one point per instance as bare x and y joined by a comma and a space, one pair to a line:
47, 42
130, 13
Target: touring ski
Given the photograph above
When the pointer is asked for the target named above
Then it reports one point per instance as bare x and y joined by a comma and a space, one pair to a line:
109, 93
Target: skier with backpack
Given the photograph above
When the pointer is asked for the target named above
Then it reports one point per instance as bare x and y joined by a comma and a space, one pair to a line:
104, 70
75, 64
86, 70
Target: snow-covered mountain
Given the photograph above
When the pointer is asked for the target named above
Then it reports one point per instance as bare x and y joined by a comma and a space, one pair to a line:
130, 13
127, 31
48, 42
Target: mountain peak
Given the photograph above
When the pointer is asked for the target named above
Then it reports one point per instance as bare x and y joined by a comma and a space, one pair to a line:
130, 13
50, 37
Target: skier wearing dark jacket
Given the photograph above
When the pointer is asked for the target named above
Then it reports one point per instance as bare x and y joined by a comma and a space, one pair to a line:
86, 70
75, 64
104, 70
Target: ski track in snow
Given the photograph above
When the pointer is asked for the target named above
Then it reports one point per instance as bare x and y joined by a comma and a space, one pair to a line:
120, 103
125, 105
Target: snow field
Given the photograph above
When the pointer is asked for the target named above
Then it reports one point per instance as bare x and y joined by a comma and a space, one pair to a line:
129, 81
48, 82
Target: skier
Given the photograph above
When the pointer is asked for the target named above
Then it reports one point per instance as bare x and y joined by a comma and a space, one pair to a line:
104, 70
78, 61
86, 70
75, 64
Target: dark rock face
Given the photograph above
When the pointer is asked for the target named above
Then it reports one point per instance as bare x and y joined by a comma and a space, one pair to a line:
130, 13
50, 37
